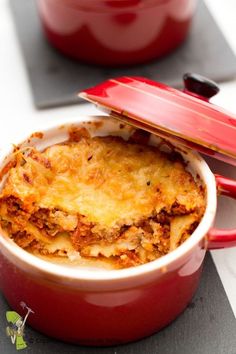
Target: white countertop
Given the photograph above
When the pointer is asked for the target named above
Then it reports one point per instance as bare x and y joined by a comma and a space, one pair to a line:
18, 114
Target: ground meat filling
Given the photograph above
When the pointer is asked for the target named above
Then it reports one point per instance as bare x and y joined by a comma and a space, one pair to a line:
23, 239
143, 242
53, 221
131, 244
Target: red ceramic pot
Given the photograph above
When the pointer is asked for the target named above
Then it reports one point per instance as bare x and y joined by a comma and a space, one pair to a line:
116, 32
105, 307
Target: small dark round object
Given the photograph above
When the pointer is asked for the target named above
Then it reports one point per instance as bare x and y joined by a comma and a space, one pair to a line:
200, 85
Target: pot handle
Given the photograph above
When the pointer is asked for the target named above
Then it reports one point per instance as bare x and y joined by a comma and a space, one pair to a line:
222, 238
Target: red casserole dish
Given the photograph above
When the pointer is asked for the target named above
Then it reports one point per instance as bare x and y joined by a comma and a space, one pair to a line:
116, 32
92, 307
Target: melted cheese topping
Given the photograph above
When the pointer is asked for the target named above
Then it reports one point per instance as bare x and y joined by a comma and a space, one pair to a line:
107, 180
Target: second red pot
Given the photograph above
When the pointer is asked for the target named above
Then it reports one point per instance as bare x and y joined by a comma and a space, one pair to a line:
116, 32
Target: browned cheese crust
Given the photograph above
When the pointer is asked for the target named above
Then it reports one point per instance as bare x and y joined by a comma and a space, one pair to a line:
100, 198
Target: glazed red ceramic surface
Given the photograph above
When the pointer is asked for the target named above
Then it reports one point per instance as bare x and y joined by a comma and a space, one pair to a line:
100, 307
184, 116
116, 32
73, 312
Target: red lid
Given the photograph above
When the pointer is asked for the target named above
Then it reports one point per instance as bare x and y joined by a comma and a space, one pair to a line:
184, 116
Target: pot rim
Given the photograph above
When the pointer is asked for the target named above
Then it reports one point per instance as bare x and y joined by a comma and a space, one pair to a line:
112, 6
60, 271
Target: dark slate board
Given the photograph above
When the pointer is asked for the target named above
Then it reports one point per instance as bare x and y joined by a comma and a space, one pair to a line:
55, 79
207, 326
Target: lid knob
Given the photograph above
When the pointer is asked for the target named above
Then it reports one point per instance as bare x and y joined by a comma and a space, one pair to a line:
200, 86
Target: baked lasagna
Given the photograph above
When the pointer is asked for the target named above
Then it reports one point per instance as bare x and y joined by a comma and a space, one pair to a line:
100, 198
